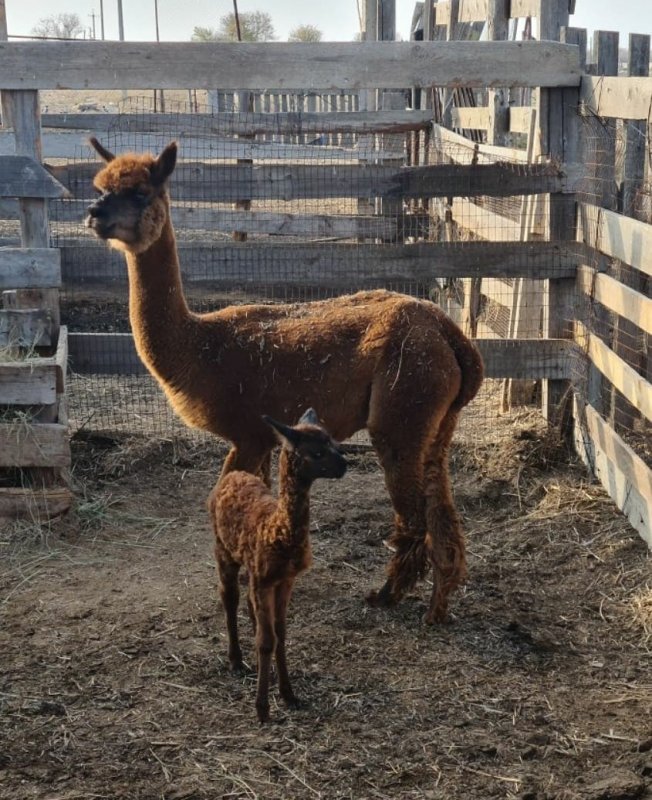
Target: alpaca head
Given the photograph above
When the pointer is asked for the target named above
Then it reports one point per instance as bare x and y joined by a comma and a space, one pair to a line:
132, 208
314, 452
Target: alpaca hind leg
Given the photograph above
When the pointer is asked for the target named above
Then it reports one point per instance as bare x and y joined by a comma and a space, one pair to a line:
282, 600
403, 477
263, 600
445, 539
230, 596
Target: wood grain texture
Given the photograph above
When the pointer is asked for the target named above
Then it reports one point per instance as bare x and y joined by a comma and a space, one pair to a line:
324, 65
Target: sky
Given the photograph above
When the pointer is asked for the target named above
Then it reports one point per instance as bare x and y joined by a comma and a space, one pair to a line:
337, 19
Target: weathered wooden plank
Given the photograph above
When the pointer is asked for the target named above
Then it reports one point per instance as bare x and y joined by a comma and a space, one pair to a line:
269, 223
628, 382
244, 124
616, 236
617, 297
316, 264
528, 358
478, 118
468, 11
34, 445
470, 118
624, 475
197, 217
29, 268
231, 182
25, 328
115, 353
35, 504
485, 223
623, 98
246, 65
69, 144
29, 382
463, 151
524, 8
21, 176
519, 119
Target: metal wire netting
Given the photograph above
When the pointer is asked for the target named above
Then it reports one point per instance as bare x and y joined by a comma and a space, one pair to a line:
267, 214
617, 156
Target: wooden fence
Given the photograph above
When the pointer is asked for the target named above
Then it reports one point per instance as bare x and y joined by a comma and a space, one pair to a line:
546, 244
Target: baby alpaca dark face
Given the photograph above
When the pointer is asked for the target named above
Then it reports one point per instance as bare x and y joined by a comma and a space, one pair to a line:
315, 452
320, 456
131, 210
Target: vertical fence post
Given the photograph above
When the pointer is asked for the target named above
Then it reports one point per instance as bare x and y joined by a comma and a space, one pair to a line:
559, 130
627, 341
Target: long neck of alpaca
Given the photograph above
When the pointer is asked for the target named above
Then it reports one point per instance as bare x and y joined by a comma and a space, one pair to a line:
293, 495
160, 319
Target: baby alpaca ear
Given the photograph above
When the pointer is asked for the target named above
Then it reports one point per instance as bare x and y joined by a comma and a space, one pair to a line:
309, 418
285, 432
164, 165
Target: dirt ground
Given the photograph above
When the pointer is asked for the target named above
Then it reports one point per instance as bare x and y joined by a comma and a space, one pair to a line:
113, 674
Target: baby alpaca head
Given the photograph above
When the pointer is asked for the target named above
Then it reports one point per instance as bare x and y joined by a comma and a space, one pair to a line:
132, 208
315, 452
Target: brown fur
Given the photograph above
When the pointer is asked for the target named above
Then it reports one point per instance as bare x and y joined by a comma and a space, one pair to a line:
377, 360
271, 539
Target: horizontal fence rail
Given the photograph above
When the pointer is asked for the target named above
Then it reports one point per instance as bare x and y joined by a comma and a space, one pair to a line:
245, 65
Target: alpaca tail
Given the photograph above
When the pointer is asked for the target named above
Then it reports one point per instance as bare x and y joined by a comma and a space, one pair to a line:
470, 361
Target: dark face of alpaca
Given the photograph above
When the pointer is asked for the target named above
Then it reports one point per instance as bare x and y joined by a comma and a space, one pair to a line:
316, 454
132, 208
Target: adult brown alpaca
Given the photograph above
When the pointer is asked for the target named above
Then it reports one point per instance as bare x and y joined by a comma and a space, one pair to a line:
271, 539
377, 360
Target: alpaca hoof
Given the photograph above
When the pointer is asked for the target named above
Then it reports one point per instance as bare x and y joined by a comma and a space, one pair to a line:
237, 666
438, 616
381, 598
263, 713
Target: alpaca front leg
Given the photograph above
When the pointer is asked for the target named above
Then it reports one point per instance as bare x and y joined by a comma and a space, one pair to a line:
230, 596
283, 594
265, 645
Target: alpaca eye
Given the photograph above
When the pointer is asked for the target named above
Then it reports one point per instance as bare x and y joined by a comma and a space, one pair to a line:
141, 197
318, 453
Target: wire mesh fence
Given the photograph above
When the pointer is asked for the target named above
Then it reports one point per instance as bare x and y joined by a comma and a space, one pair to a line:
617, 157
293, 207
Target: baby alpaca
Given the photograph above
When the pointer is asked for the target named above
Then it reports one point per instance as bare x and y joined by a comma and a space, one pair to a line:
270, 538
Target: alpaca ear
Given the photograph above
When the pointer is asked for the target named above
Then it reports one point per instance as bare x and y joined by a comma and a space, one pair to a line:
285, 432
162, 168
107, 155
309, 418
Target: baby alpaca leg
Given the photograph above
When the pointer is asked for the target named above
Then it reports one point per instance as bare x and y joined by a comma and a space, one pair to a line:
263, 599
282, 600
230, 595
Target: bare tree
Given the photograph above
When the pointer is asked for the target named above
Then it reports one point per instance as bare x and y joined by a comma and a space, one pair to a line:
305, 33
255, 26
60, 26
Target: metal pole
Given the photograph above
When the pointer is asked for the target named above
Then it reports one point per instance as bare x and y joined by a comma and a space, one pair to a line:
156, 20
121, 36
121, 26
102, 18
